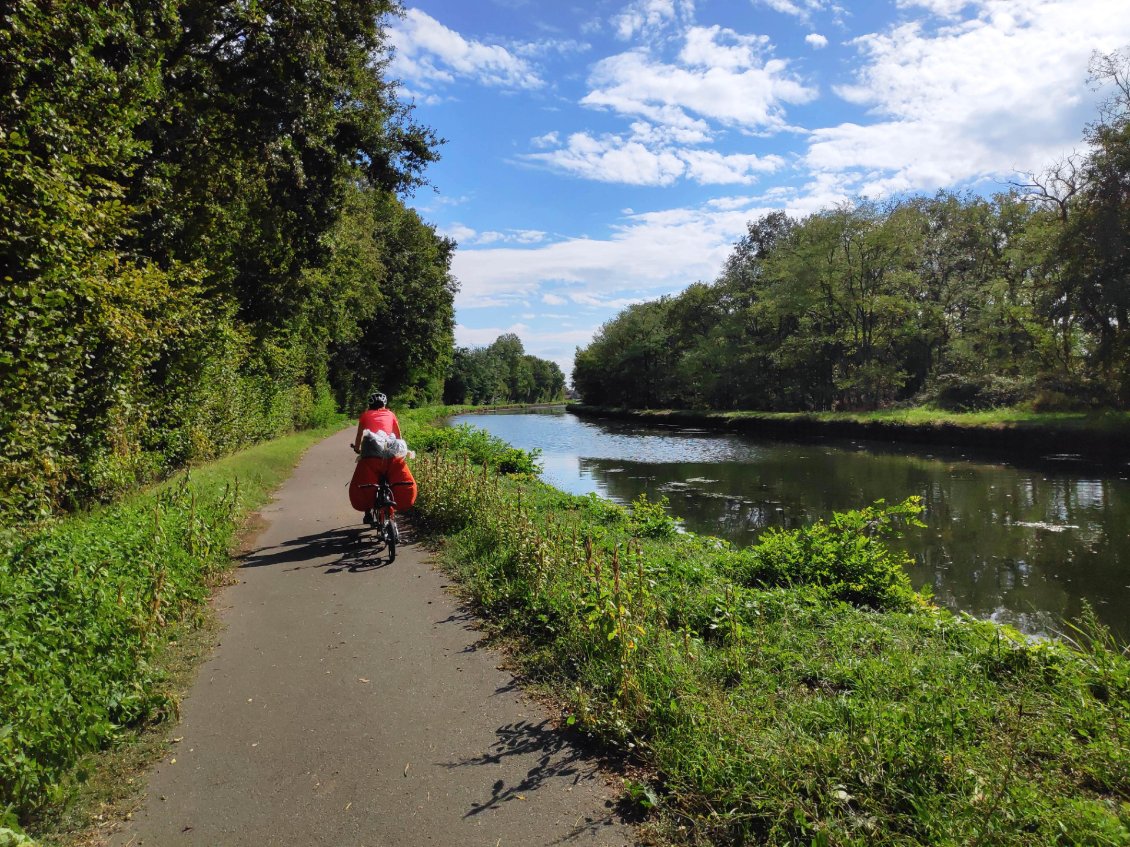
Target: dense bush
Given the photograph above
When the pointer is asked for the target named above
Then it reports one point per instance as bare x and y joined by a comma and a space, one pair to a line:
848, 556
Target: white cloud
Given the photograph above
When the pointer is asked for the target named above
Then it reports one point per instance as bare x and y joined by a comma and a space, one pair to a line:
970, 99
650, 17
729, 203
744, 91
511, 236
802, 9
942, 8
459, 232
654, 252
428, 54
466, 336
467, 236
816, 40
553, 299
550, 139
720, 47
638, 160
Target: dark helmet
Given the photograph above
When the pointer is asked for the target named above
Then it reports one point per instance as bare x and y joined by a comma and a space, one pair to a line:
377, 400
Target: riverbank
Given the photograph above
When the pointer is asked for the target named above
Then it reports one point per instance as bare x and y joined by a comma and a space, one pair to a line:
793, 692
1100, 437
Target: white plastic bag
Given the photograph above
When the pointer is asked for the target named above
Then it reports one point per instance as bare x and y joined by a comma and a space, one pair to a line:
382, 445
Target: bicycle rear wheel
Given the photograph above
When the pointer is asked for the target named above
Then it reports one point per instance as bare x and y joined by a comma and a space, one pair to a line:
392, 537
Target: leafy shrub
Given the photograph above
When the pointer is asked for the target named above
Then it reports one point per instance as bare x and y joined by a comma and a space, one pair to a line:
848, 556
476, 446
964, 393
651, 520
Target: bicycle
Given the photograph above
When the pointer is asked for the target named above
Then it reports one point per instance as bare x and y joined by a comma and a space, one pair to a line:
382, 514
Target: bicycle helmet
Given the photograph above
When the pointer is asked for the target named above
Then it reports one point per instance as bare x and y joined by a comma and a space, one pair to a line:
377, 400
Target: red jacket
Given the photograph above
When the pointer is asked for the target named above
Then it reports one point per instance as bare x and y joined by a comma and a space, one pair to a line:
376, 420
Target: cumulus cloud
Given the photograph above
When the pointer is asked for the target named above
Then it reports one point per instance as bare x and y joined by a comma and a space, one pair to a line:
802, 9
650, 17
466, 236
721, 47
816, 40
459, 232
550, 139
428, 54
967, 99
744, 89
645, 159
648, 254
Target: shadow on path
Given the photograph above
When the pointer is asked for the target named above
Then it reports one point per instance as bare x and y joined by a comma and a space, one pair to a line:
350, 548
557, 759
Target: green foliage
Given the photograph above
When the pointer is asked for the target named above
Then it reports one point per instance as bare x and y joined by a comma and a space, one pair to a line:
797, 692
202, 237
476, 446
847, 555
502, 373
651, 520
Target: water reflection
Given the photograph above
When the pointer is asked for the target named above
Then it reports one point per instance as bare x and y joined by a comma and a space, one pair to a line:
1017, 545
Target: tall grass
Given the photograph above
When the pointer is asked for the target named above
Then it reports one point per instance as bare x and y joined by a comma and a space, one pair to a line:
796, 692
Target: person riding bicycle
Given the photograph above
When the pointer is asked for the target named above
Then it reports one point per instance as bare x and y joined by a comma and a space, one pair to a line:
380, 426
377, 418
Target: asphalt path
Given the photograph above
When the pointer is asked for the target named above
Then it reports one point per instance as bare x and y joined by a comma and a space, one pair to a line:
351, 703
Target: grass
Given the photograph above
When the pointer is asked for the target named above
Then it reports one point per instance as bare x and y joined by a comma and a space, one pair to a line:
793, 693
97, 611
923, 416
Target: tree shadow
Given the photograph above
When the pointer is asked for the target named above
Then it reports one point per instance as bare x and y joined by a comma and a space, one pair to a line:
558, 758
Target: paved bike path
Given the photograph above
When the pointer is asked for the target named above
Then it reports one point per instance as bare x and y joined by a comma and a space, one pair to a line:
350, 703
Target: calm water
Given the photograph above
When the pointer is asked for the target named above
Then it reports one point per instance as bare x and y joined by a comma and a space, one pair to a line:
1004, 542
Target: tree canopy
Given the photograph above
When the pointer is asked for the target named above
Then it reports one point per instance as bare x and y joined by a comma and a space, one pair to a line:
203, 235
959, 300
502, 373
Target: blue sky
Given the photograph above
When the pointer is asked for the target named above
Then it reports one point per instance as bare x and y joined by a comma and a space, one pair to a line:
608, 152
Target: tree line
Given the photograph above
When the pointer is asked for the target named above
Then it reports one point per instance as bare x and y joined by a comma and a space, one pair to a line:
203, 235
956, 300
502, 373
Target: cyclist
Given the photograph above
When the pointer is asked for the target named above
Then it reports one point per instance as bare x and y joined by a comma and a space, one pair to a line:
376, 418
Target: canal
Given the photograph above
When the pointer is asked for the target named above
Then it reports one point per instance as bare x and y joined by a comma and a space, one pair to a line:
1017, 544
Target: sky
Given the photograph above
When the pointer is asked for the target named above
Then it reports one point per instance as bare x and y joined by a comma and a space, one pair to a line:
603, 153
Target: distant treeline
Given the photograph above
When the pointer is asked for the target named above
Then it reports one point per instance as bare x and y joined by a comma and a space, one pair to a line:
502, 373
959, 301
202, 235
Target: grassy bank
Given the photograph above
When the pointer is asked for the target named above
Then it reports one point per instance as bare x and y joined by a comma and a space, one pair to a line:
89, 604
1092, 436
796, 692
